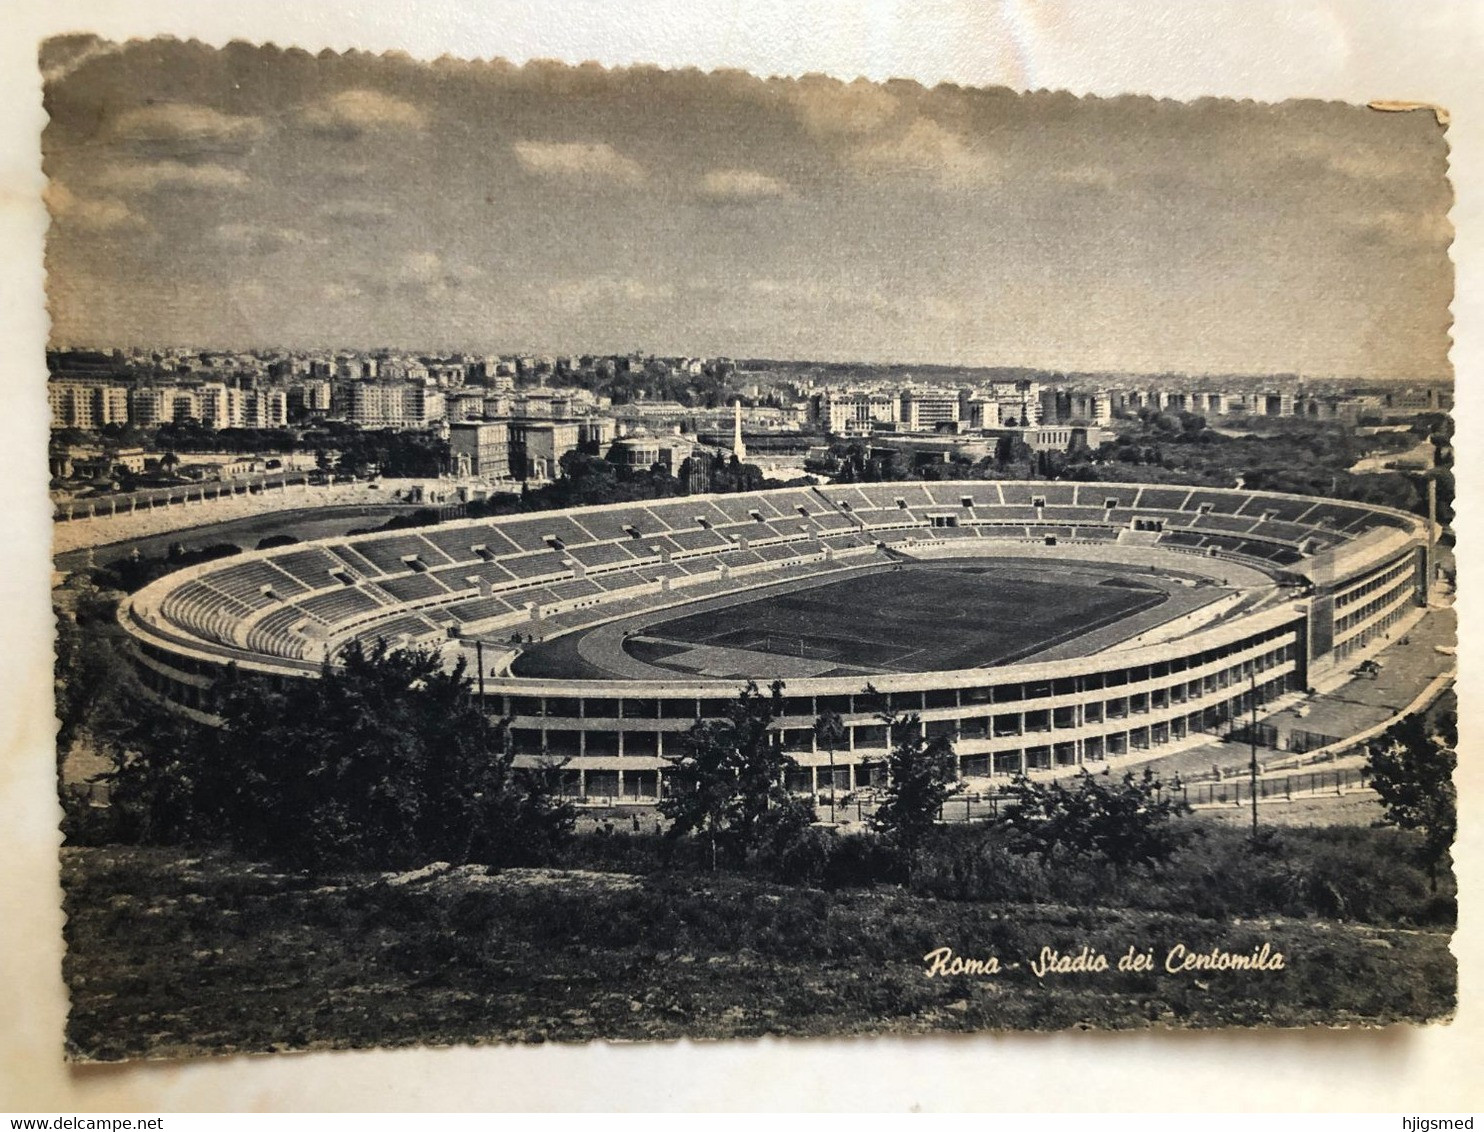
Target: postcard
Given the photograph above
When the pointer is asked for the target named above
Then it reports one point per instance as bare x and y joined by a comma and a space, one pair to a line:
552, 553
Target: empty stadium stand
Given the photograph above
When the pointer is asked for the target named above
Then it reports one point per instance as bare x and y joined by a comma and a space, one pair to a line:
290, 602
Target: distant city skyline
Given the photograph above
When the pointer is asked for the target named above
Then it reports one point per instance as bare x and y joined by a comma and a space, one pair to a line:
249, 197
927, 370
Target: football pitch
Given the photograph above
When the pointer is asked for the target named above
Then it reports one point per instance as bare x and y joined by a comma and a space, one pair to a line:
916, 619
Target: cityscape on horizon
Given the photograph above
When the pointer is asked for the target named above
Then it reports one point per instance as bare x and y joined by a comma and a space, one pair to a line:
490, 422
937, 368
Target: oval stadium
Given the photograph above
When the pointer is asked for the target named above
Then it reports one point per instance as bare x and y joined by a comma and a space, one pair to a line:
1039, 625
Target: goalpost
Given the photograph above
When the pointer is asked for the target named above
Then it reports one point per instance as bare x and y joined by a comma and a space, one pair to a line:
783, 643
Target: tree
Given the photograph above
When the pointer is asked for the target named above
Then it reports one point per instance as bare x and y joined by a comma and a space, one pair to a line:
921, 776
728, 774
386, 761
155, 787
1411, 768
97, 689
1126, 822
829, 733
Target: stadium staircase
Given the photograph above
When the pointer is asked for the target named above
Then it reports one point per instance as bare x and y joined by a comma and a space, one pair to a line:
1127, 537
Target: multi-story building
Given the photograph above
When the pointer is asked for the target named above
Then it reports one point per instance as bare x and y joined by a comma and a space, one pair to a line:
265, 408
394, 404
1063, 406
426, 406
1277, 404
87, 405
1002, 404
309, 398
642, 450
498, 405
151, 405
1210, 404
1019, 401
447, 375
465, 405
377, 404
924, 410
537, 447
184, 405
479, 449
1429, 399
148, 405
852, 412
1052, 437
220, 405
595, 433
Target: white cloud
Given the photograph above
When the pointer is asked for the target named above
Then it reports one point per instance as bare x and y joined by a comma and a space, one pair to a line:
741, 184
578, 159
356, 213
826, 107
263, 239
415, 276
1358, 163
89, 214
64, 54
352, 112
873, 132
576, 294
930, 150
184, 122
176, 174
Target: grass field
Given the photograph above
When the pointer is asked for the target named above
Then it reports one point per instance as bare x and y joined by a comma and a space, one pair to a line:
919, 619
172, 955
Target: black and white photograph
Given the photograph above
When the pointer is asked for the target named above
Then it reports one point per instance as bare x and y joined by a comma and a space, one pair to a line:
548, 553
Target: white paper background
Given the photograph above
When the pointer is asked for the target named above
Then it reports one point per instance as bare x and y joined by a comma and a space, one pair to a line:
1266, 49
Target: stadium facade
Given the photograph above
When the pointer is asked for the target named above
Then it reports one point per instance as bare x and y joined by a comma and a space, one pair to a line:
1305, 586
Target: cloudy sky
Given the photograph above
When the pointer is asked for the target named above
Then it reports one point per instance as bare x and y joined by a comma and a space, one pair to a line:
249, 196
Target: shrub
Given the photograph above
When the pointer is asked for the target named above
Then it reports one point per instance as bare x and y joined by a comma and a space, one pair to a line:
1124, 822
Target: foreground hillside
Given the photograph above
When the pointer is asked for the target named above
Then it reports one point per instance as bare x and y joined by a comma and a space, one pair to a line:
172, 956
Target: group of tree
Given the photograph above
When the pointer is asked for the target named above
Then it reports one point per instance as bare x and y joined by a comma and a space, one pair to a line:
921, 775
729, 775
385, 761
1411, 768
728, 785
134, 571
655, 380
589, 480
346, 450
97, 692
195, 437
1126, 821
721, 475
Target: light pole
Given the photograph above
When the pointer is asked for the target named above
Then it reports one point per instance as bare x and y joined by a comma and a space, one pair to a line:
1252, 734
